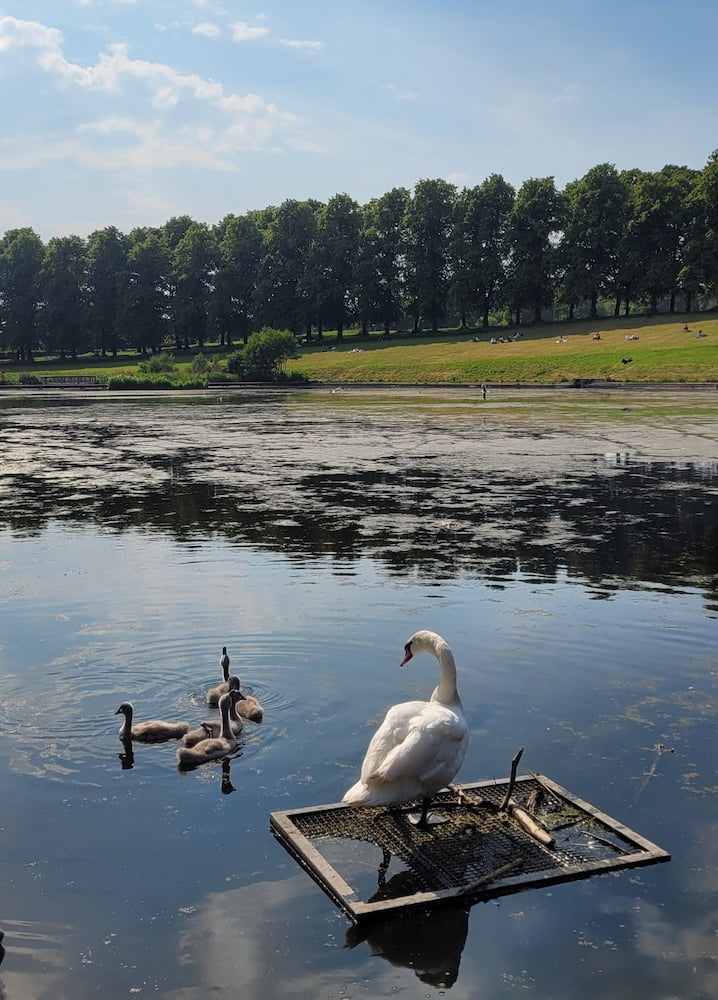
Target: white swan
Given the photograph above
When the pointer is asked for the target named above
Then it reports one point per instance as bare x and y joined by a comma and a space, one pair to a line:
152, 731
420, 745
214, 747
213, 728
215, 693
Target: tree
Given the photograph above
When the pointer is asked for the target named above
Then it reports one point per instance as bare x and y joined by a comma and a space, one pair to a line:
279, 299
479, 248
329, 275
107, 279
597, 209
428, 224
21, 257
193, 264
659, 220
146, 298
700, 251
378, 280
534, 223
264, 356
63, 284
240, 251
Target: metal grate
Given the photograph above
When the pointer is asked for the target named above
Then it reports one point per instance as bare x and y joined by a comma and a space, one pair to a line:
373, 860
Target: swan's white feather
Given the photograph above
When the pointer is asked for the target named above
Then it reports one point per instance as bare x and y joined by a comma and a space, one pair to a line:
420, 746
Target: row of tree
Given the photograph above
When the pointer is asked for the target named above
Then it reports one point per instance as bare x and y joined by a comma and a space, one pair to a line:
623, 236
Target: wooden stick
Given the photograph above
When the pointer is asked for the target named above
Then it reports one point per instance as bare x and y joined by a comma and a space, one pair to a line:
512, 778
512, 807
496, 873
529, 824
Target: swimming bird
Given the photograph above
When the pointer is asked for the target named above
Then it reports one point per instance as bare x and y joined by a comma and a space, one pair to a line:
213, 747
249, 708
213, 728
152, 731
215, 693
420, 745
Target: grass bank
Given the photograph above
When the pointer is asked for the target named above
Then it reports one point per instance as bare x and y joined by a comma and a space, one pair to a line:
663, 351
660, 350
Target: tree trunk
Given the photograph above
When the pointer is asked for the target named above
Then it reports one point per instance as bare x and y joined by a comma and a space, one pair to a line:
617, 307
594, 305
571, 308
689, 301
672, 306
485, 316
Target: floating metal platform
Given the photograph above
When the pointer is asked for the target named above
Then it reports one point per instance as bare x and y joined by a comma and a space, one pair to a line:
373, 860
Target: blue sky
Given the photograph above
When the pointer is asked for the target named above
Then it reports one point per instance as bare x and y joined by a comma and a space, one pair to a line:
127, 112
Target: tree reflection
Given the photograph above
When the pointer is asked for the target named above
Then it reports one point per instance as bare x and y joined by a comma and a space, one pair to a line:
602, 520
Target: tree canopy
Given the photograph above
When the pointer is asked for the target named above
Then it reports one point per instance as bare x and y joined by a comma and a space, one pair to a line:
609, 240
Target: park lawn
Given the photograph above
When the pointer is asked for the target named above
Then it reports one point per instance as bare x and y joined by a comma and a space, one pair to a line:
663, 352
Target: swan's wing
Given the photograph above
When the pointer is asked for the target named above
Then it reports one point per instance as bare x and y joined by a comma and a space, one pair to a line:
422, 744
390, 733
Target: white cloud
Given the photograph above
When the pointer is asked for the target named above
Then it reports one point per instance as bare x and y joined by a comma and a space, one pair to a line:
307, 46
15, 33
206, 29
457, 178
243, 32
10, 218
216, 125
399, 94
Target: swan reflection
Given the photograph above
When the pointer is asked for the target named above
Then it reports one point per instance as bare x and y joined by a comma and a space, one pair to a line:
127, 757
226, 783
428, 940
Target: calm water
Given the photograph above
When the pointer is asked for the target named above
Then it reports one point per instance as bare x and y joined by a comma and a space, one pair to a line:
572, 564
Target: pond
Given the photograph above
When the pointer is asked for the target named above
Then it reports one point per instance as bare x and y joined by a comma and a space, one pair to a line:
565, 545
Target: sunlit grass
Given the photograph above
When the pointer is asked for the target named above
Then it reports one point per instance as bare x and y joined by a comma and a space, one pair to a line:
545, 354
663, 352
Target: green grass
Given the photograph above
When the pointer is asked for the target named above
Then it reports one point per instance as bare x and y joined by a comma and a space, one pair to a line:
664, 352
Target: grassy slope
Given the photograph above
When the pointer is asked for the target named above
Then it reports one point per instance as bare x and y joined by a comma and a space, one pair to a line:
664, 352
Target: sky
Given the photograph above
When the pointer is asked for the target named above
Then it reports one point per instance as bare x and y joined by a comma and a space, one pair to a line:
129, 112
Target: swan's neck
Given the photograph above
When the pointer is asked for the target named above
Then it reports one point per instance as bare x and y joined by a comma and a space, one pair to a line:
225, 731
446, 692
126, 725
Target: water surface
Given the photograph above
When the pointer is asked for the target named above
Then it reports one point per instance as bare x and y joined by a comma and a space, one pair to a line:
568, 556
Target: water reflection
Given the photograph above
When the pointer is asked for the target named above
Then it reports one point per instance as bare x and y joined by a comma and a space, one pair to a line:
280, 481
226, 782
430, 942
309, 539
127, 757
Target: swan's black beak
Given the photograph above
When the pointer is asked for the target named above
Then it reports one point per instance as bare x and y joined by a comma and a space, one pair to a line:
407, 654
